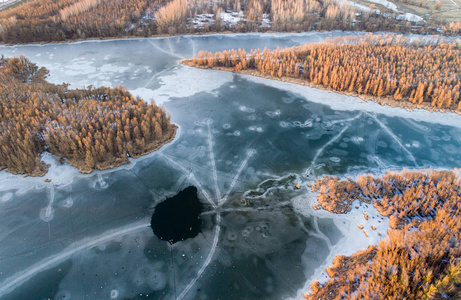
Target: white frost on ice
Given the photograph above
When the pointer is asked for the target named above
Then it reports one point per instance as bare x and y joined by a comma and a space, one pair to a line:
340, 102
7, 197
246, 109
108, 68
79, 67
187, 81
143, 93
353, 240
60, 175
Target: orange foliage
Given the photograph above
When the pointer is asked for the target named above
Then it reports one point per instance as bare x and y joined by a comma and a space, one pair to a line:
419, 260
377, 65
59, 20
92, 128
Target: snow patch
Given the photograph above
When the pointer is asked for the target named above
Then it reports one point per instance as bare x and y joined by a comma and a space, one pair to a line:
386, 4
410, 17
232, 18
202, 20
187, 81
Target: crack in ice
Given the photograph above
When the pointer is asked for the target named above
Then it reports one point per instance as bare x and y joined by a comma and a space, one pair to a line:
48, 210
347, 120
320, 234
164, 51
234, 181
208, 259
172, 51
389, 131
219, 202
248, 209
327, 144
213, 162
21, 276
193, 178
193, 46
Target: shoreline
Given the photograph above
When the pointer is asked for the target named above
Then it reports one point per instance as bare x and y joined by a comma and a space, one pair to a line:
371, 213
211, 33
383, 101
353, 239
154, 146
61, 175
106, 165
134, 37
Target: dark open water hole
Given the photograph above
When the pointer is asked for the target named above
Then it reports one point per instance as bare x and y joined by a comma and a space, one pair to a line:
178, 218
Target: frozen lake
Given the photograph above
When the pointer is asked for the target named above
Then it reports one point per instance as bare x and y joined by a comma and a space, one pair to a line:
243, 142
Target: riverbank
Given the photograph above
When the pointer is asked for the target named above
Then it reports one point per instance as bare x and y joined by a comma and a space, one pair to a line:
353, 238
389, 101
135, 37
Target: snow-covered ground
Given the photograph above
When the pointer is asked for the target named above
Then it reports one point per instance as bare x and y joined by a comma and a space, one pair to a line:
266, 22
227, 18
386, 4
360, 6
410, 17
6, 2
389, 5
232, 17
202, 20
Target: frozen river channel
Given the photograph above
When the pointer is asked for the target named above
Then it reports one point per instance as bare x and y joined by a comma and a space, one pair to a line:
243, 142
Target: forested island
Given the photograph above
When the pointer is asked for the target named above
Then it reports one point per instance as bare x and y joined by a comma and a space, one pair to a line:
421, 258
62, 20
92, 128
389, 69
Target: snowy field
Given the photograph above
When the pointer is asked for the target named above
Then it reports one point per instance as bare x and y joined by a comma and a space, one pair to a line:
244, 142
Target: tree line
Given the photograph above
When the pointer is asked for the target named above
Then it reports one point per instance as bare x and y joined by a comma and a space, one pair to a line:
93, 128
60, 20
421, 258
415, 71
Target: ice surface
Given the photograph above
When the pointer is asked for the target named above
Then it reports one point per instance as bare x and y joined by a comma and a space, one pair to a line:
244, 142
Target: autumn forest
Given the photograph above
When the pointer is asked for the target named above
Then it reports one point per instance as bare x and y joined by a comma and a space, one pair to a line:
411, 73
93, 128
421, 257
61, 20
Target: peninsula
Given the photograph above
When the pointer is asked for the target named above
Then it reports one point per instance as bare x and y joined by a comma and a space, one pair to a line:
92, 128
388, 69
